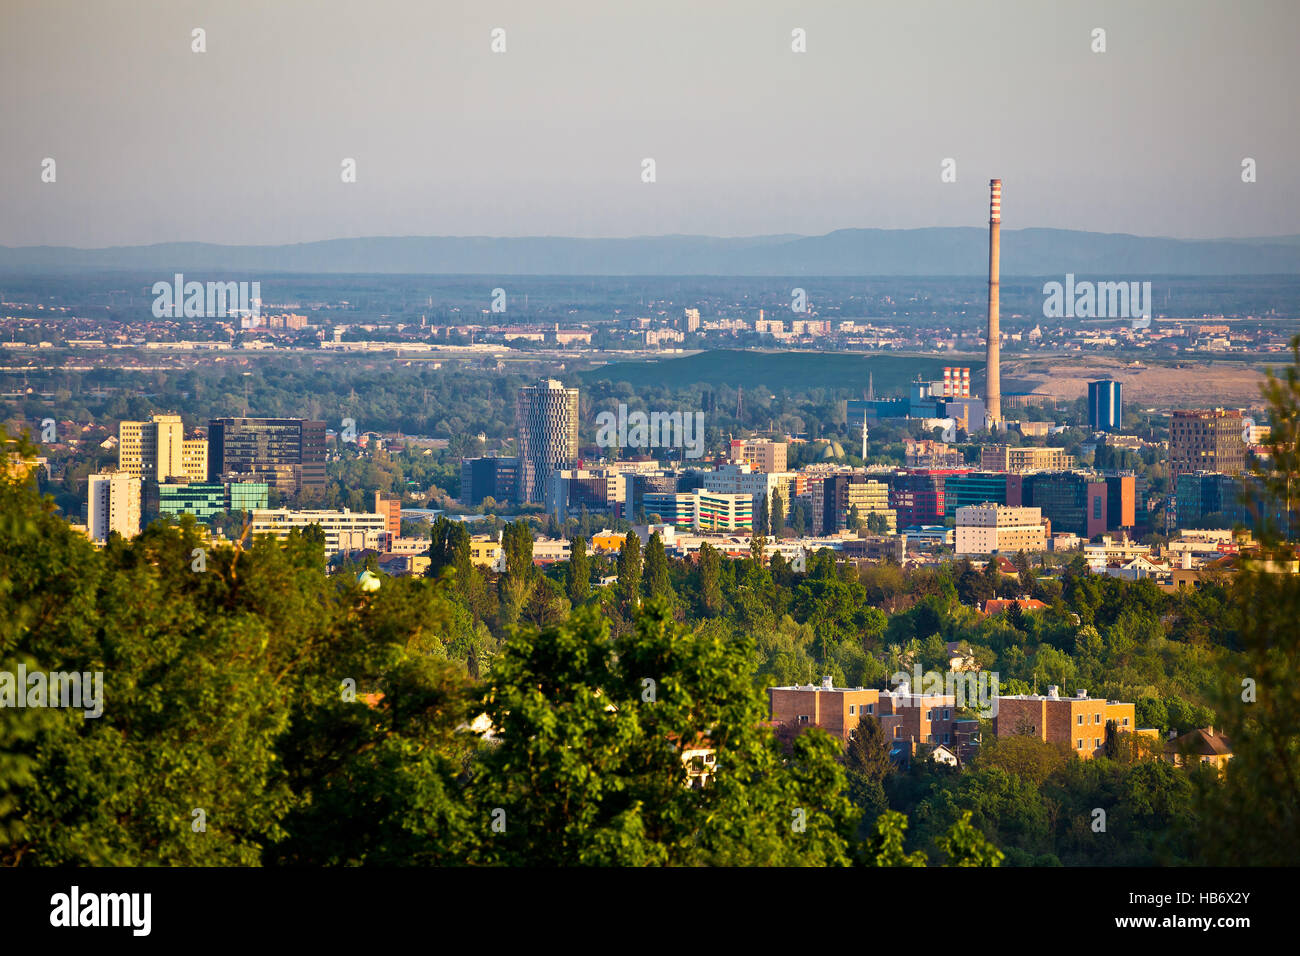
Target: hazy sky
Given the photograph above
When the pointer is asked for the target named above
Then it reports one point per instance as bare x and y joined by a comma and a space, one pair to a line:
243, 143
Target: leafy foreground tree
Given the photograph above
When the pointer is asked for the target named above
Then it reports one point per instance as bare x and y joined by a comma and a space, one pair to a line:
868, 765
235, 725
1257, 808
589, 769
963, 844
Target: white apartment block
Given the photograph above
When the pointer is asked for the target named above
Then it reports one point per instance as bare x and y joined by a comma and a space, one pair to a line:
549, 550
722, 512
344, 530
738, 479
113, 504
986, 528
157, 450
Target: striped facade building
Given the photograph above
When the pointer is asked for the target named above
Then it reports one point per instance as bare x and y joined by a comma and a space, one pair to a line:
547, 422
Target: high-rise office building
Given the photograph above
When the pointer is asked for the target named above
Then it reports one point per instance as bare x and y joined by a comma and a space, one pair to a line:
157, 450
495, 478
113, 504
839, 496
1211, 500
1073, 502
547, 422
976, 488
917, 497
1126, 503
719, 511
637, 485
1206, 440
286, 453
1106, 405
207, 499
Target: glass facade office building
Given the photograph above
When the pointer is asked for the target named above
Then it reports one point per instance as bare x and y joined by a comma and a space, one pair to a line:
286, 453
206, 499
1105, 405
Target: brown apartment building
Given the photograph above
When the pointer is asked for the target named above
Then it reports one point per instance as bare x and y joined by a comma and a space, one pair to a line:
1079, 722
1025, 458
903, 716
1206, 440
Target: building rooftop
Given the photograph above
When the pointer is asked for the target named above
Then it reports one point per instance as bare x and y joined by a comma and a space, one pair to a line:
1053, 693
1203, 742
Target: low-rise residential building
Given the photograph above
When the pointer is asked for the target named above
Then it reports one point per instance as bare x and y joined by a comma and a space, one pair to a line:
550, 550
997, 605
903, 716
485, 551
1201, 746
1079, 722
607, 541
1110, 551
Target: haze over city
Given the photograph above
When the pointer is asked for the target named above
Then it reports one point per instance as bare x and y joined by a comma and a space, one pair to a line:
243, 143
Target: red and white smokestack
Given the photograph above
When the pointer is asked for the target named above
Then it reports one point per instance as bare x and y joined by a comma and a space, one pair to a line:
993, 368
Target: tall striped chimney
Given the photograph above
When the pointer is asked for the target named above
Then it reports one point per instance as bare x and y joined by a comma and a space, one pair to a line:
993, 365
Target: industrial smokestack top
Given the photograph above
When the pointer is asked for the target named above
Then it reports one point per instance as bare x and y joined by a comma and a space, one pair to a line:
993, 370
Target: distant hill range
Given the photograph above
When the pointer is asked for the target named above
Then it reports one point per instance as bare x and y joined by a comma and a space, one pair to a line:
866, 252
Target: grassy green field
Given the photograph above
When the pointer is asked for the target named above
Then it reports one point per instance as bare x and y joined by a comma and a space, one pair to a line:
783, 370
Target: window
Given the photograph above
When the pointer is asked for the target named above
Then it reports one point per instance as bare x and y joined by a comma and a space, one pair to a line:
803, 718
929, 715
1080, 718
1096, 718
871, 709
852, 709
1125, 721
1080, 747
929, 738
946, 713
945, 738
1096, 742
